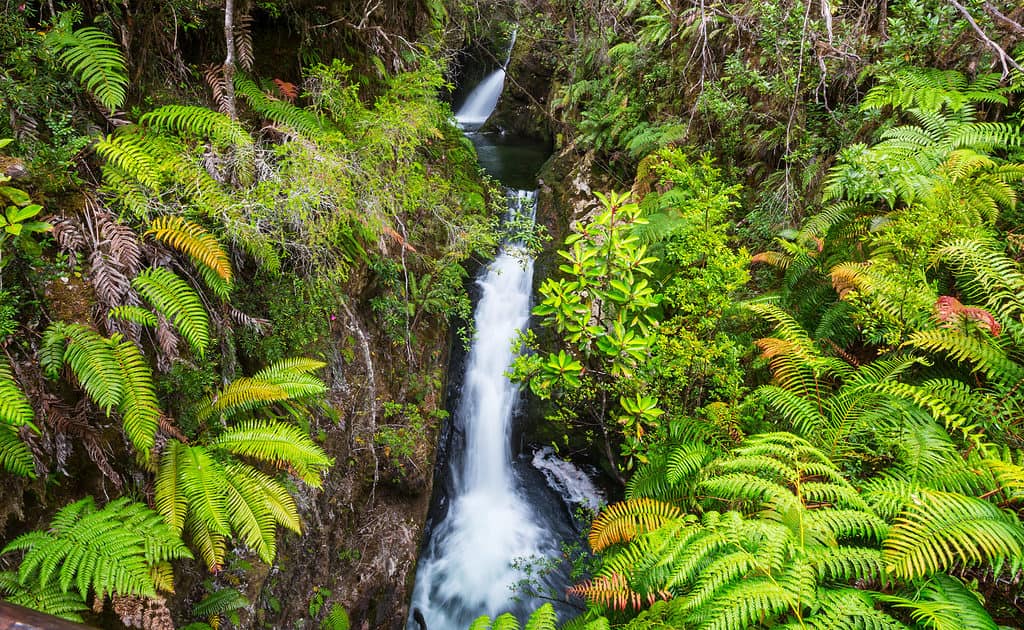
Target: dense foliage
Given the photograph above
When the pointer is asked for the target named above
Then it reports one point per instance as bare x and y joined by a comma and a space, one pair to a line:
860, 464
793, 334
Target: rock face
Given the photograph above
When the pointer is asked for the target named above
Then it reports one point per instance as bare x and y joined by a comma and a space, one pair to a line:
523, 109
362, 530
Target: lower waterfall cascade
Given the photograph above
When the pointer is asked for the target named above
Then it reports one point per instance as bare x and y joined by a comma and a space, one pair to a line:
501, 510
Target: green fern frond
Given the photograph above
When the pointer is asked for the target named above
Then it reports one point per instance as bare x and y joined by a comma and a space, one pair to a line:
843, 564
139, 406
940, 529
50, 600
275, 496
220, 602
201, 122
980, 354
131, 155
248, 513
304, 122
15, 411
134, 314
943, 603
194, 241
241, 394
177, 301
284, 445
105, 551
93, 58
92, 359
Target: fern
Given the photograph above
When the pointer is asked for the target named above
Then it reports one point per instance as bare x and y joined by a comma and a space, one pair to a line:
91, 358
623, 521
15, 412
102, 551
543, 618
201, 122
113, 373
173, 298
943, 603
287, 381
139, 407
939, 530
134, 314
50, 600
93, 58
202, 247
308, 124
282, 444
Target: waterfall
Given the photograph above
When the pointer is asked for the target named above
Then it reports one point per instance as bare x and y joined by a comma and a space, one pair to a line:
497, 509
466, 570
484, 97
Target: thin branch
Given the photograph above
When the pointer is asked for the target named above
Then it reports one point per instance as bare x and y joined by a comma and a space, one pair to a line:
1014, 25
1004, 58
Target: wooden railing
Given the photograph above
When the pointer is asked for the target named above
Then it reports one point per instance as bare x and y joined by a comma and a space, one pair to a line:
18, 618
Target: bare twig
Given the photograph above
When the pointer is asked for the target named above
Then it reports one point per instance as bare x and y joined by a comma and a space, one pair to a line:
1005, 59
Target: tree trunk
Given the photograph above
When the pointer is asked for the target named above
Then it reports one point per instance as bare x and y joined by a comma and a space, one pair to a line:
229, 59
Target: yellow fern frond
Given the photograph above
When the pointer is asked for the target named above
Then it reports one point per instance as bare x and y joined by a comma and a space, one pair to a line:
192, 239
623, 521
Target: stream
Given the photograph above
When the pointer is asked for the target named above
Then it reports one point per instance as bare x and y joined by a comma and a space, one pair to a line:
495, 510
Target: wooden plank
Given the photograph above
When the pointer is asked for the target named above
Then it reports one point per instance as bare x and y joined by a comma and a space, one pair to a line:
14, 617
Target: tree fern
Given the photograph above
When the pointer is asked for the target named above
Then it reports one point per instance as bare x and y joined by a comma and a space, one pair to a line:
93, 58
103, 551
178, 302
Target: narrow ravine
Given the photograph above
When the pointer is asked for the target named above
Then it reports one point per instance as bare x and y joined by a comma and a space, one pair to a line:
500, 510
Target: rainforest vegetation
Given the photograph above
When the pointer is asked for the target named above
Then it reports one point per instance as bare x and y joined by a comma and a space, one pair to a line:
783, 308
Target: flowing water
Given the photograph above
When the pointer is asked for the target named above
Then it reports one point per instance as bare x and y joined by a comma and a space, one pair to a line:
492, 509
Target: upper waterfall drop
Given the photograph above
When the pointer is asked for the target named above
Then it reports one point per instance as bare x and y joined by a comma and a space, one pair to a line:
480, 103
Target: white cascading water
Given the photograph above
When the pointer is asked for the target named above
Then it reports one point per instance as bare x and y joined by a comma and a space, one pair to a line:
467, 570
468, 566
484, 97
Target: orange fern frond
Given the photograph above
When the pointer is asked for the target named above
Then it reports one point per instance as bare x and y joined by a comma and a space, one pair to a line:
775, 259
289, 91
613, 591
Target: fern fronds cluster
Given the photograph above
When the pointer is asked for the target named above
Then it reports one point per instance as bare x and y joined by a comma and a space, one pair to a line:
544, 618
287, 383
211, 492
113, 373
102, 551
780, 534
176, 300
